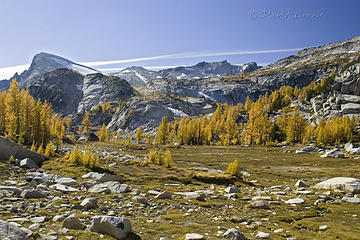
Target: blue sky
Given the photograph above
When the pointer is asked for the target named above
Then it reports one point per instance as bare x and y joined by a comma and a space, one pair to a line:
93, 30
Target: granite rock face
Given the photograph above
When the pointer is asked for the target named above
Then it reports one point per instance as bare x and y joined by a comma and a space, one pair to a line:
98, 88
61, 88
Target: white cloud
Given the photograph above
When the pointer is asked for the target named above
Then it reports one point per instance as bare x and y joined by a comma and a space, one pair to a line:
189, 55
8, 72
146, 67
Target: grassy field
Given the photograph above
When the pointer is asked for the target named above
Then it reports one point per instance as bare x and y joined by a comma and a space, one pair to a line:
267, 167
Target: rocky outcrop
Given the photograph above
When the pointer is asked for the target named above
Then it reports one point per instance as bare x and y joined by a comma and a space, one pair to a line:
98, 88
8, 148
147, 114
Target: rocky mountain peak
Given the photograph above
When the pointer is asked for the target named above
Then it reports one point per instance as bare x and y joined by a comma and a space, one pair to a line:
43, 63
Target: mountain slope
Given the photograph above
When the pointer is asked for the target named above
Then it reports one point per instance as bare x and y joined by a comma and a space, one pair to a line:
137, 75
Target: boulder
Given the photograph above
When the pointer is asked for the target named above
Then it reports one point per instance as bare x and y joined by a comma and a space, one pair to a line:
28, 163
333, 154
301, 152
66, 181
9, 147
46, 178
89, 203
73, 222
117, 227
295, 201
103, 177
232, 189
139, 199
15, 190
354, 199
233, 234
90, 137
164, 195
194, 236
110, 186
63, 188
259, 205
301, 183
263, 235
308, 149
341, 183
11, 231
32, 193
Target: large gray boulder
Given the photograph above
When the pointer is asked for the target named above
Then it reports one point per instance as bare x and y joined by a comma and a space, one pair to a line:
73, 222
117, 227
234, 234
103, 177
10, 231
107, 187
32, 193
9, 147
340, 183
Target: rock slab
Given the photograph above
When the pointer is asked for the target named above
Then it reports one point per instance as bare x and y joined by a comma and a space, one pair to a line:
340, 183
9, 147
117, 227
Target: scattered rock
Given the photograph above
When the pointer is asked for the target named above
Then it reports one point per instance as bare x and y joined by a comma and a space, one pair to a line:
232, 189
63, 188
38, 219
139, 199
301, 183
28, 164
164, 195
263, 235
354, 199
301, 152
295, 201
59, 218
117, 227
323, 228
110, 186
103, 177
89, 203
66, 181
32, 193
259, 205
11, 231
341, 183
14, 190
333, 154
73, 222
194, 236
233, 234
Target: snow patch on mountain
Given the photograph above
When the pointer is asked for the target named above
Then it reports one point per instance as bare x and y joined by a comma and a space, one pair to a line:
178, 112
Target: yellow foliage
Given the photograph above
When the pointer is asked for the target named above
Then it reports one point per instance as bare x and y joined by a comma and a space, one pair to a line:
234, 168
40, 150
11, 159
49, 150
